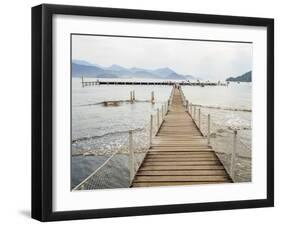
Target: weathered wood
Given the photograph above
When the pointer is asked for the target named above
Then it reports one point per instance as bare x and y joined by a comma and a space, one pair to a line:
184, 163
179, 154
180, 172
176, 167
186, 149
153, 184
180, 159
181, 178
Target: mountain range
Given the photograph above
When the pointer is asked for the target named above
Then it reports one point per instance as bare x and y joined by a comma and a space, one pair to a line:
246, 77
84, 68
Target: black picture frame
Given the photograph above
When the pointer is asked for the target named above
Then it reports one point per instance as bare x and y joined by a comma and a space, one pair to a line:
42, 107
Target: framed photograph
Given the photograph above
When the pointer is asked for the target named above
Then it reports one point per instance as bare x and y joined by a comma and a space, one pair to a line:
140, 112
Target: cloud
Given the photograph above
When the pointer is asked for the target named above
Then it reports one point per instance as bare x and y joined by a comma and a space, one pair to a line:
207, 60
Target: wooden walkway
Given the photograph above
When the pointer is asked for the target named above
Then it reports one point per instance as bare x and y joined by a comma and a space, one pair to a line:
179, 154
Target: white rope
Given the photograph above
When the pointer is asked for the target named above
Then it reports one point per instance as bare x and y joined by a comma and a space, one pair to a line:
92, 174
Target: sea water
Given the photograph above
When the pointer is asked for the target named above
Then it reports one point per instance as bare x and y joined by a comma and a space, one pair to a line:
99, 130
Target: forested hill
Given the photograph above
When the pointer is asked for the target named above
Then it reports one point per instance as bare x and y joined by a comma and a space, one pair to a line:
246, 77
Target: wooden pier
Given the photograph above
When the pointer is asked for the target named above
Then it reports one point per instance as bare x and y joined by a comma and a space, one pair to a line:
149, 83
179, 153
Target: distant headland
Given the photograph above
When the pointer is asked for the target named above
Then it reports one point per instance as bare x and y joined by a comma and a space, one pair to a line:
246, 77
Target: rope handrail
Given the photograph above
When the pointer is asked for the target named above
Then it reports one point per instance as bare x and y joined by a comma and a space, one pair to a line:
80, 185
218, 126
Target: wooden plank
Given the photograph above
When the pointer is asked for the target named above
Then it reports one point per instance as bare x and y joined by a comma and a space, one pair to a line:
180, 159
188, 153
170, 149
185, 163
181, 172
201, 167
191, 141
182, 183
176, 157
179, 178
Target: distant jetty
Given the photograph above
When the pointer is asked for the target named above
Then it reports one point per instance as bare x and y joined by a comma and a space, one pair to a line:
168, 83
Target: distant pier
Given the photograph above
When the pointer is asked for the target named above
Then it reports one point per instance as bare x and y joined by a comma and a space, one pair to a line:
151, 83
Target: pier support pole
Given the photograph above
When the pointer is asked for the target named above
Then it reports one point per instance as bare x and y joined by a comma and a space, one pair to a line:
187, 107
158, 124
162, 113
134, 97
209, 128
82, 81
151, 130
199, 119
152, 97
194, 114
131, 96
233, 156
131, 157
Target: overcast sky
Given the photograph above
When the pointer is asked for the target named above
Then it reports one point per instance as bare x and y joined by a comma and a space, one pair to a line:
207, 60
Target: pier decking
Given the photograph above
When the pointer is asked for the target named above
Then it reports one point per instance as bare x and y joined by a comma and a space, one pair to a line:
179, 154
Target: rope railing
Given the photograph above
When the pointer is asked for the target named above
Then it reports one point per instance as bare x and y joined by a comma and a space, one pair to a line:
86, 183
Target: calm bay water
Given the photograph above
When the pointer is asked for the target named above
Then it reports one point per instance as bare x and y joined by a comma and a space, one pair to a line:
98, 130
230, 107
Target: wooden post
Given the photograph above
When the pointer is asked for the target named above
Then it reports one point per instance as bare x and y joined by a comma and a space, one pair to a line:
131, 157
162, 113
199, 119
134, 97
131, 96
190, 109
152, 97
83, 81
233, 156
194, 113
169, 100
158, 124
209, 128
187, 107
151, 130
